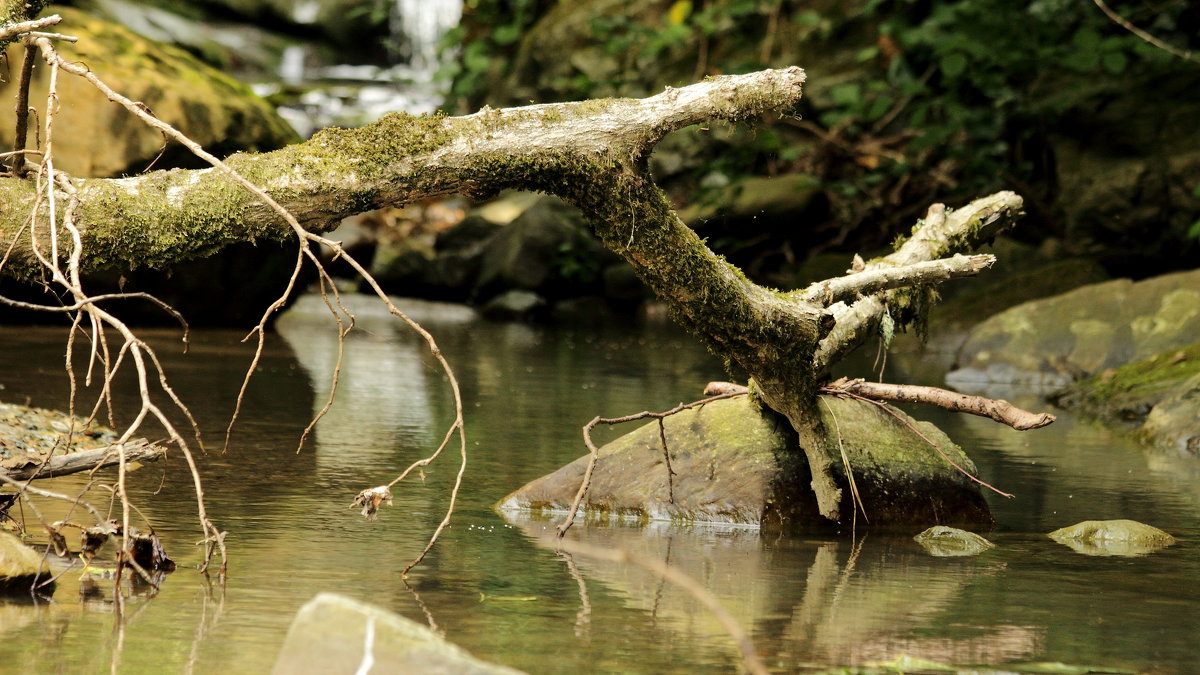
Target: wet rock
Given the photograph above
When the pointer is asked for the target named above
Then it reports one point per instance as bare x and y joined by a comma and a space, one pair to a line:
1054, 341
1112, 538
93, 137
548, 250
514, 304
1159, 396
945, 542
757, 198
736, 464
19, 565
1174, 422
333, 634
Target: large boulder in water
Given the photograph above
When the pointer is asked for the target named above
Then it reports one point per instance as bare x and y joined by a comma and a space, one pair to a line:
735, 463
1054, 341
333, 634
94, 137
19, 565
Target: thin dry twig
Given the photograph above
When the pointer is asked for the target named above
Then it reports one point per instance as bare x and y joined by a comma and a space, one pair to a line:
903, 420
996, 409
305, 239
1122, 22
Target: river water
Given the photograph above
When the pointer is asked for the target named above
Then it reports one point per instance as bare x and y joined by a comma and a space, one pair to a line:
809, 601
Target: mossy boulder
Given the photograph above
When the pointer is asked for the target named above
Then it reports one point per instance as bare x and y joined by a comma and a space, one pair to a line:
948, 542
547, 249
1112, 538
19, 565
333, 634
1175, 422
735, 463
1057, 340
94, 137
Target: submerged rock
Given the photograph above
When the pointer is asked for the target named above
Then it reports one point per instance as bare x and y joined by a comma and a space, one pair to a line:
333, 634
1112, 538
734, 463
946, 542
19, 564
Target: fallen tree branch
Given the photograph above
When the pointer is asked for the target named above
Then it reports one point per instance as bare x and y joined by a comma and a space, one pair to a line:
86, 460
999, 410
842, 289
939, 234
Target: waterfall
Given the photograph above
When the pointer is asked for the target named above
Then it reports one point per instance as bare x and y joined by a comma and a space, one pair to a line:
420, 26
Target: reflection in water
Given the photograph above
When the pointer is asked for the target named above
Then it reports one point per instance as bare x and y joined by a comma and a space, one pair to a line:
841, 602
382, 399
528, 390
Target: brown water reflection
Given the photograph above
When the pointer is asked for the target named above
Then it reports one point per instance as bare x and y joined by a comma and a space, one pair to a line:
528, 389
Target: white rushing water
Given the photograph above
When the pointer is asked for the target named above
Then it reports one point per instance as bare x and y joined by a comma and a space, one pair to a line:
359, 94
420, 26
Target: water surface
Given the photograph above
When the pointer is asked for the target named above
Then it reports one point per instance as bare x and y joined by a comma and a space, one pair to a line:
493, 587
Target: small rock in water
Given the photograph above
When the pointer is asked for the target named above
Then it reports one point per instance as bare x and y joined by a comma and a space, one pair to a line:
946, 542
1112, 537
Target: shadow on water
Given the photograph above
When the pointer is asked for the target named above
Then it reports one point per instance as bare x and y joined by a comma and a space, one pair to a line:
494, 587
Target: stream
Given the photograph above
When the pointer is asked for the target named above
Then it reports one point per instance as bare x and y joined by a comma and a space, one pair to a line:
809, 601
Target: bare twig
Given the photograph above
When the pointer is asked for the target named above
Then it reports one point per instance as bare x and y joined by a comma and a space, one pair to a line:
999, 410
11, 30
903, 420
305, 238
21, 110
867, 282
1122, 22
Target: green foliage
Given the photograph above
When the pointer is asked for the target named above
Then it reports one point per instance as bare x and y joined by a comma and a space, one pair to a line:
487, 38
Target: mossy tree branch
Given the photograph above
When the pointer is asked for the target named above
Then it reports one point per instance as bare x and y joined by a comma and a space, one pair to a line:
592, 153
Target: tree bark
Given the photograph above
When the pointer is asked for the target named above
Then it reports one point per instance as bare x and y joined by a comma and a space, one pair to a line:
593, 154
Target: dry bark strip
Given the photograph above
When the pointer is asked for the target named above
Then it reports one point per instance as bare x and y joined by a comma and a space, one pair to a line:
999, 410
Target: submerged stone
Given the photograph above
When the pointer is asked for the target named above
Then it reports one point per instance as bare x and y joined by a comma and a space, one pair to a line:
734, 463
333, 634
945, 542
1112, 538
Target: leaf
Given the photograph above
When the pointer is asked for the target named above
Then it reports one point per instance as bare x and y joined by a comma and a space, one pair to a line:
953, 64
846, 94
1086, 39
679, 12
1194, 230
1114, 62
866, 54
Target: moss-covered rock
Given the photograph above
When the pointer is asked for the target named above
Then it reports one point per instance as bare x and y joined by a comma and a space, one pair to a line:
1057, 340
94, 137
1175, 422
733, 463
947, 542
1112, 538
